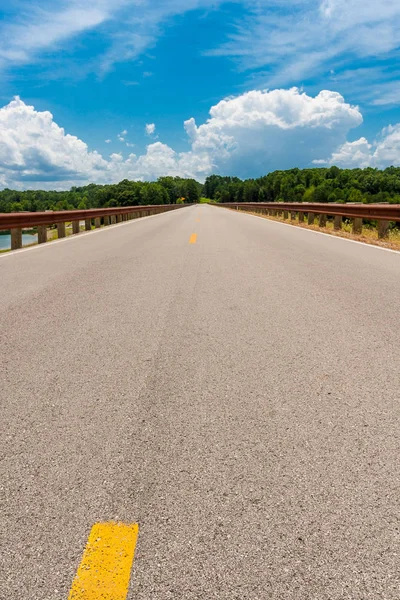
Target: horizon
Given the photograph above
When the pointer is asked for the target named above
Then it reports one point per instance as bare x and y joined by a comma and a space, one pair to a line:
203, 184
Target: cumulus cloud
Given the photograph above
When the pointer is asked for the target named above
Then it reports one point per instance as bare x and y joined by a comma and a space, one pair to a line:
247, 136
33, 148
382, 153
107, 141
35, 152
265, 130
150, 128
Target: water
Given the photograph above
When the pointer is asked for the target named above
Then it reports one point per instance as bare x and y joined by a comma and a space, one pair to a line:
27, 238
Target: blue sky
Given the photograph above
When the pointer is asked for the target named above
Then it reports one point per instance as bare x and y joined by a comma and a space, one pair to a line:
236, 88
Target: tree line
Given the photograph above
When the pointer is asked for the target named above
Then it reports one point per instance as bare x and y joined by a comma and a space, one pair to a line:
309, 185
166, 190
295, 185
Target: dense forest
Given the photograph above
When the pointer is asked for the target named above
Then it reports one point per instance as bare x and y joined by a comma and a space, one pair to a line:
295, 185
167, 190
309, 185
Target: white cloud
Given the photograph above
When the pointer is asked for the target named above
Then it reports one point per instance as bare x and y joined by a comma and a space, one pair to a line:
36, 153
107, 141
303, 38
265, 130
42, 26
129, 27
383, 153
121, 136
247, 136
292, 40
150, 128
350, 155
34, 148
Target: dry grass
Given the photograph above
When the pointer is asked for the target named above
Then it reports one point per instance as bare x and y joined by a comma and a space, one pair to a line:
369, 235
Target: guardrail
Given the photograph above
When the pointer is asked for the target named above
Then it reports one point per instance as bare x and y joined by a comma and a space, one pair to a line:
16, 222
383, 213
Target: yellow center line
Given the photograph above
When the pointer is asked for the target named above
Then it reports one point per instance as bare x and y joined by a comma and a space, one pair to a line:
106, 564
193, 238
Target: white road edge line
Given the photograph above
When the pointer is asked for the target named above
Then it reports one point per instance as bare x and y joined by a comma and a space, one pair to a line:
78, 236
333, 237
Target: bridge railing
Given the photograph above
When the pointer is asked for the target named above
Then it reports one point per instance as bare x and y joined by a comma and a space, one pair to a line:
16, 222
382, 213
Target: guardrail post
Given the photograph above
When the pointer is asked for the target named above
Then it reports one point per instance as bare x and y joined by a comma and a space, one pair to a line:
61, 233
119, 218
42, 234
301, 217
124, 217
97, 222
311, 218
113, 219
322, 220
88, 224
16, 238
285, 214
337, 223
357, 225
106, 220
292, 215
383, 229
75, 227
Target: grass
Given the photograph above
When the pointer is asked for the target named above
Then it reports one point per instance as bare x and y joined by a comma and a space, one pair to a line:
369, 234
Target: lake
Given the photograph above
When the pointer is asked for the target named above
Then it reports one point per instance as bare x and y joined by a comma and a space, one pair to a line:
27, 238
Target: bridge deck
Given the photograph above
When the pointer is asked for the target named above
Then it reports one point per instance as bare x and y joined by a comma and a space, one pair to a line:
237, 396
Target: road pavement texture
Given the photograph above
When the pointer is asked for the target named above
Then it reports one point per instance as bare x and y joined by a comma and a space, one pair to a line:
237, 396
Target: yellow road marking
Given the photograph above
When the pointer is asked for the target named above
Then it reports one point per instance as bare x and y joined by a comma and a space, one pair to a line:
106, 564
193, 238
197, 220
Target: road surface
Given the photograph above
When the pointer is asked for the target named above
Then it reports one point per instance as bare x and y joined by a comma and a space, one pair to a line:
237, 396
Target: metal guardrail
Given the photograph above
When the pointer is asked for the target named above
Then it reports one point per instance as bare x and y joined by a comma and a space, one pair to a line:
16, 222
383, 213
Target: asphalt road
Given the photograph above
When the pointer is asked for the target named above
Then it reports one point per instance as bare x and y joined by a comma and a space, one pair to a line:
238, 397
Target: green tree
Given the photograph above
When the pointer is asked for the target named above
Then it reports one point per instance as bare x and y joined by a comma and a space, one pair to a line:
192, 191
355, 196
